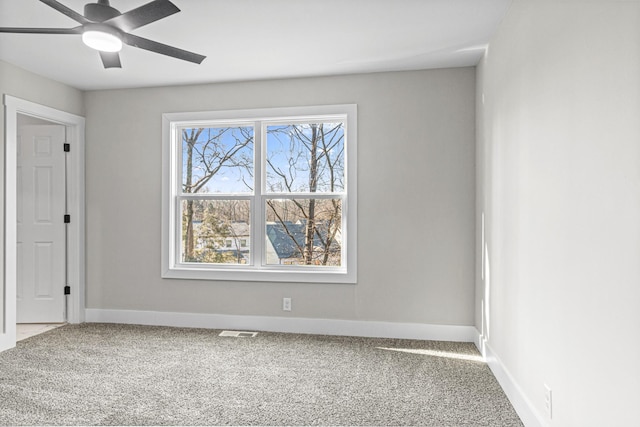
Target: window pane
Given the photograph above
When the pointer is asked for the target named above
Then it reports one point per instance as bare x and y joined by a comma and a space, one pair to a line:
217, 160
305, 158
304, 232
213, 231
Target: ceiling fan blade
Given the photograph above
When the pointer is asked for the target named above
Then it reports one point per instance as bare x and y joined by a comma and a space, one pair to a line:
163, 49
110, 59
143, 15
76, 30
67, 11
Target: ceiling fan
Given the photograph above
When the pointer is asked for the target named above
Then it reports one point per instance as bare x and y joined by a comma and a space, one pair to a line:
105, 29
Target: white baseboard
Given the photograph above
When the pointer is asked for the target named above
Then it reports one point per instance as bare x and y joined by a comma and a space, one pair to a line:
358, 328
520, 402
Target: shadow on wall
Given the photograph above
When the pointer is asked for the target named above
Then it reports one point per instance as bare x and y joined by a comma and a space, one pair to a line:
485, 303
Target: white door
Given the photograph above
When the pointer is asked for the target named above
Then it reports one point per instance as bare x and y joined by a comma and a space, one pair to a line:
41, 237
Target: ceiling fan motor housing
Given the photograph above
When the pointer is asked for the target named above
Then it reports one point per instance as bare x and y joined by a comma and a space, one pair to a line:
100, 12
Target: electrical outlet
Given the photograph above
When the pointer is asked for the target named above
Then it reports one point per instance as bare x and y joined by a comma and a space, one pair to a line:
548, 402
286, 304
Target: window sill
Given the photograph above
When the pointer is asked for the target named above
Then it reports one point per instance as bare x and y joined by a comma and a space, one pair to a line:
250, 274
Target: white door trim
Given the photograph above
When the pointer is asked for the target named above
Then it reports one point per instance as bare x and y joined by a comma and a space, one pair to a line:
75, 136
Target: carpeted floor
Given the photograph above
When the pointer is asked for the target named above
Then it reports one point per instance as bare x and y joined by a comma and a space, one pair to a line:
99, 374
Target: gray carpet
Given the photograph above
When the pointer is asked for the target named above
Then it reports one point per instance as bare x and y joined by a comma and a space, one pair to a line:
99, 374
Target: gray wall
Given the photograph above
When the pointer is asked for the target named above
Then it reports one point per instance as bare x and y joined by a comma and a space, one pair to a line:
559, 185
416, 199
22, 84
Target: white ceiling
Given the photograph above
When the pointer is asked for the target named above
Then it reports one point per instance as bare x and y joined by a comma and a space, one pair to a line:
259, 39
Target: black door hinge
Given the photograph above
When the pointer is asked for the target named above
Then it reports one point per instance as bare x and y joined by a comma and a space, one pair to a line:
67, 219
67, 147
67, 290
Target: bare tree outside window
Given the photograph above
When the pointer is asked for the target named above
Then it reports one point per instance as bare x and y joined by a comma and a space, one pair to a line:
306, 159
214, 161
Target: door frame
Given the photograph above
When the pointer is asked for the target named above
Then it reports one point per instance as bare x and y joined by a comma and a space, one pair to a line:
75, 129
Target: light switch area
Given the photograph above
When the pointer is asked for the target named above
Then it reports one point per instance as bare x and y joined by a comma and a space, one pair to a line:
286, 304
548, 403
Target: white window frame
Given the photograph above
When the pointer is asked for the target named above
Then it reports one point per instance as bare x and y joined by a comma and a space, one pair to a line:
258, 270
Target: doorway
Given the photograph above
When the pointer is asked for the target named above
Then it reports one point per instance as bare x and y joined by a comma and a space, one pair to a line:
73, 126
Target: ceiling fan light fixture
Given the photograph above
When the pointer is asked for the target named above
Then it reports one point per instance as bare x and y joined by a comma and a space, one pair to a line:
102, 38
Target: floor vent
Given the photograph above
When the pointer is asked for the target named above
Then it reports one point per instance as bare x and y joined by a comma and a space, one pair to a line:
238, 334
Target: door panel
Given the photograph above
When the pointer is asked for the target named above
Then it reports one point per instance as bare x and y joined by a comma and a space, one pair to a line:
41, 229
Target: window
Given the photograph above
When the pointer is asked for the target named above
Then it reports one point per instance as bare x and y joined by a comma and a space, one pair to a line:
266, 195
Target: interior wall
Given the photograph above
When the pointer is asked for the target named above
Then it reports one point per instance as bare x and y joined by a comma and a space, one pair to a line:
558, 187
416, 199
22, 84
